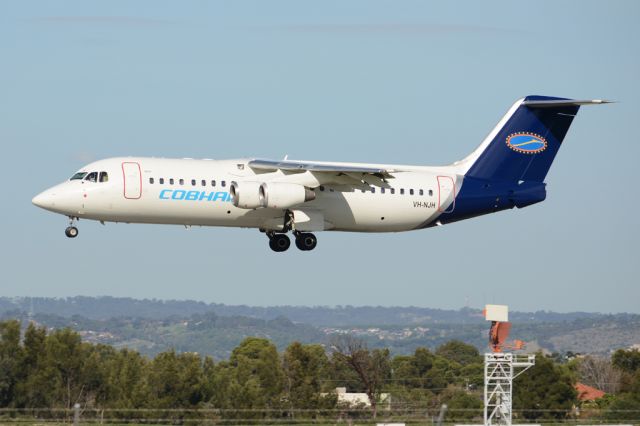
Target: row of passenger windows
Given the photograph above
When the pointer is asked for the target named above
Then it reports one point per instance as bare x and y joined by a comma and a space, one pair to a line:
91, 176
194, 182
203, 182
390, 190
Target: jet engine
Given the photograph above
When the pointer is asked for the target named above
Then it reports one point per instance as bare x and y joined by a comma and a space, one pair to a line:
282, 195
245, 195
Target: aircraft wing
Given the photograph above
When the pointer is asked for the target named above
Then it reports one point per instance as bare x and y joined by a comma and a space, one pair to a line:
339, 171
302, 166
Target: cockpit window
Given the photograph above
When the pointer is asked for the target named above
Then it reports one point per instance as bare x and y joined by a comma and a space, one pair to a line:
78, 176
104, 177
92, 177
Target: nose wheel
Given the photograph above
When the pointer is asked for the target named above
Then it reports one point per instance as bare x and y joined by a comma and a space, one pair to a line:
71, 230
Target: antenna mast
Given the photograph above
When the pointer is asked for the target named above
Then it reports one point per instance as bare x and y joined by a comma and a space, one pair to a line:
501, 368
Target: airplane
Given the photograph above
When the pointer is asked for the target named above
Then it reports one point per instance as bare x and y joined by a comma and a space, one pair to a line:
507, 170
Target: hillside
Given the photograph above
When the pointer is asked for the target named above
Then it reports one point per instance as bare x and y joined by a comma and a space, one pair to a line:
152, 326
106, 307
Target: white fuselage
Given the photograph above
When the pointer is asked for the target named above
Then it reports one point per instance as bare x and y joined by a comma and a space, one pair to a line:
196, 192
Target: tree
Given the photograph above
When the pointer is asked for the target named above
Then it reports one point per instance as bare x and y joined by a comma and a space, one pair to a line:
305, 367
600, 373
459, 352
373, 368
461, 405
62, 367
252, 378
127, 380
176, 380
10, 358
624, 407
626, 360
544, 391
28, 392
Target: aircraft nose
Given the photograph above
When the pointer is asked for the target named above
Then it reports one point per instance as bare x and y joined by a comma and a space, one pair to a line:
43, 199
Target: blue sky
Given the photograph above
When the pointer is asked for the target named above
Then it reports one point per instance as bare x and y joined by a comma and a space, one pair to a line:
375, 81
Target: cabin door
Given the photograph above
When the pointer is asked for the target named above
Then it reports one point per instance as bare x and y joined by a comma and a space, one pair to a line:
446, 194
132, 180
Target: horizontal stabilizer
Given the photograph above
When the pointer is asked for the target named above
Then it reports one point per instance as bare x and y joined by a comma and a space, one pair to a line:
563, 102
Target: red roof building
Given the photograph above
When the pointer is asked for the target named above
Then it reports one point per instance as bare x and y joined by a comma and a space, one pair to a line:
588, 393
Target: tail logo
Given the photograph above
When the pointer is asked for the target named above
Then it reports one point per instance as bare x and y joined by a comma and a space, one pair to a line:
526, 143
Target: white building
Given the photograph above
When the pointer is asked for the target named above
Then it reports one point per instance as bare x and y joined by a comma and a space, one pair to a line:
356, 398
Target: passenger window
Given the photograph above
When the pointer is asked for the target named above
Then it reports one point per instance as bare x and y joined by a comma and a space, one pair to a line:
104, 177
382, 190
161, 181
411, 191
204, 182
421, 192
393, 190
193, 182
430, 193
92, 177
181, 181
78, 176
151, 181
213, 183
223, 183
373, 189
321, 188
401, 191
171, 181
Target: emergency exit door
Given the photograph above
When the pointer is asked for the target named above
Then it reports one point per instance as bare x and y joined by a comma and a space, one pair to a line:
132, 180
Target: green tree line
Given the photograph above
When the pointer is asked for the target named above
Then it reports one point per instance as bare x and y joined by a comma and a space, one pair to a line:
55, 370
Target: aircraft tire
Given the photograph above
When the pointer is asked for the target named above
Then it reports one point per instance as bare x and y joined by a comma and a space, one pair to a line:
71, 232
306, 241
279, 242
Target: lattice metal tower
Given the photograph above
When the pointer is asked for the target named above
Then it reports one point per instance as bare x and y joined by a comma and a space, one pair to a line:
500, 369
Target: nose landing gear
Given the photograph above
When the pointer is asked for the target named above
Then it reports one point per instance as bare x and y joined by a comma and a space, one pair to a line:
71, 230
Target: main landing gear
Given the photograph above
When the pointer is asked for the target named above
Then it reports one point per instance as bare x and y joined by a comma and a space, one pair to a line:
278, 242
305, 241
71, 230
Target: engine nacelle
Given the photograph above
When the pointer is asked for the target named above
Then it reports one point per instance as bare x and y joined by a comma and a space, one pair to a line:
245, 195
282, 195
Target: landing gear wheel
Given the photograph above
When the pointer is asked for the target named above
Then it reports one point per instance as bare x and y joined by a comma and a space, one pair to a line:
279, 242
306, 241
71, 232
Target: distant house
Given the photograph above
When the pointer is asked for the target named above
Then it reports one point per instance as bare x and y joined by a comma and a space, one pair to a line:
354, 399
588, 393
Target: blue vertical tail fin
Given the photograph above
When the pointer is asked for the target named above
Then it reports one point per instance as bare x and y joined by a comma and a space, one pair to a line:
525, 142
